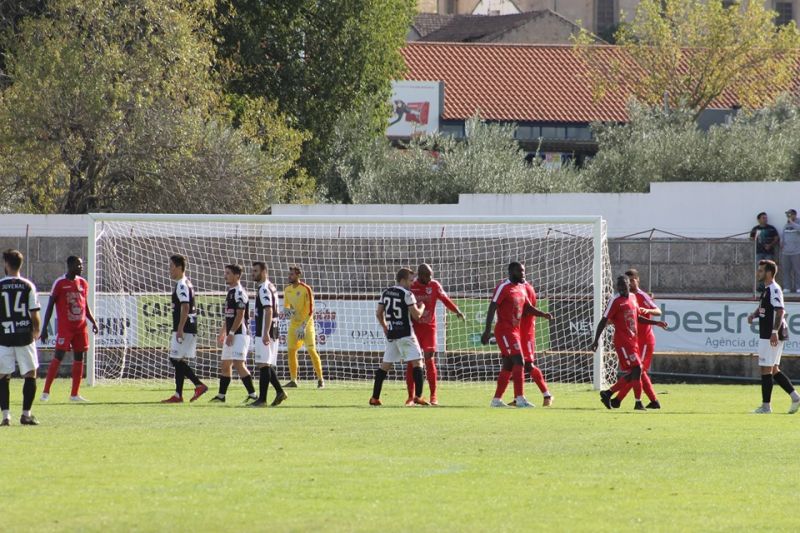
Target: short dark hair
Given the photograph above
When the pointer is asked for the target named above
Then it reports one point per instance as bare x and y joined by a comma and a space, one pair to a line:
761, 214
72, 260
632, 273
13, 258
514, 264
297, 270
236, 269
179, 261
769, 266
404, 273
261, 264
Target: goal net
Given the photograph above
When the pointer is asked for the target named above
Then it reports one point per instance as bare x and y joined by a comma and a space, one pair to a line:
348, 262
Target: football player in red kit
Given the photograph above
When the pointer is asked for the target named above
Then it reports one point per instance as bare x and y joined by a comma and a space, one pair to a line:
428, 291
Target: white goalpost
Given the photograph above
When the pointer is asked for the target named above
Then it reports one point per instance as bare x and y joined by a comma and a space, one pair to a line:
348, 261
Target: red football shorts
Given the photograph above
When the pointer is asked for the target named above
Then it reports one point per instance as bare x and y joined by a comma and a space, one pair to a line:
426, 336
628, 358
529, 349
75, 339
509, 341
646, 350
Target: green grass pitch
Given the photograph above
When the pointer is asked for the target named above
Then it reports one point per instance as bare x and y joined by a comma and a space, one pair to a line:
326, 461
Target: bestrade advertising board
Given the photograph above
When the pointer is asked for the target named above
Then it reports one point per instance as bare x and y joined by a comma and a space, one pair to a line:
718, 326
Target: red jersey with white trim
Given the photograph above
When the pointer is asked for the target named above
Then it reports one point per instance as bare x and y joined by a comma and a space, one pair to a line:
510, 299
70, 301
528, 323
428, 294
646, 335
623, 312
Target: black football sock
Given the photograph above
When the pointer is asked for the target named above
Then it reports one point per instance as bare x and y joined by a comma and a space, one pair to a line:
28, 393
179, 377
781, 379
380, 375
419, 380
188, 371
224, 381
5, 398
263, 383
766, 388
273, 378
247, 381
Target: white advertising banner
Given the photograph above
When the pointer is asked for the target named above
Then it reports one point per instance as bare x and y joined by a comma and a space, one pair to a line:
351, 325
416, 106
718, 326
144, 321
116, 319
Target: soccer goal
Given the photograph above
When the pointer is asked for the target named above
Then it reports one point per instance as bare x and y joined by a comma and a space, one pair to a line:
348, 261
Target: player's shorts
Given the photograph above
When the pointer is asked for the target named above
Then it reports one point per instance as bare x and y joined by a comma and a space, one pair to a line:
76, 340
628, 358
426, 337
529, 350
266, 355
309, 339
646, 354
405, 349
183, 350
237, 352
508, 341
769, 355
24, 356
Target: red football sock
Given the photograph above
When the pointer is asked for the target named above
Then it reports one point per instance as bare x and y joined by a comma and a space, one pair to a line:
52, 372
502, 383
430, 371
77, 374
647, 386
519, 380
410, 380
538, 378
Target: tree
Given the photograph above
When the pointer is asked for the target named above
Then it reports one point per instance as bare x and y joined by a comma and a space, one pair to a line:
436, 169
321, 61
113, 106
691, 52
659, 146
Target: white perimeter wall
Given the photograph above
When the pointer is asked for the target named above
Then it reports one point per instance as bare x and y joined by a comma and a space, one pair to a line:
690, 209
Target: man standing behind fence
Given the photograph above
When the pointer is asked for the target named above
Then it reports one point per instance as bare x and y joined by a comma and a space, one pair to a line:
790, 254
767, 240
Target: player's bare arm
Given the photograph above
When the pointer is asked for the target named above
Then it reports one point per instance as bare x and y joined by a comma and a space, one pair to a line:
535, 311
487, 330
380, 314
237, 324
182, 321
36, 323
417, 310
92, 321
265, 327
654, 311
645, 320
601, 326
773, 339
47, 315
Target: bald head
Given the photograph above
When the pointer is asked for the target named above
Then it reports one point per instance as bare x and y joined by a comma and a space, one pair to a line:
424, 273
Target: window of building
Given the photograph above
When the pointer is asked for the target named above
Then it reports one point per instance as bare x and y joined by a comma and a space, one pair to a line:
554, 132
785, 13
455, 130
526, 132
605, 15
579, 133
451, 7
